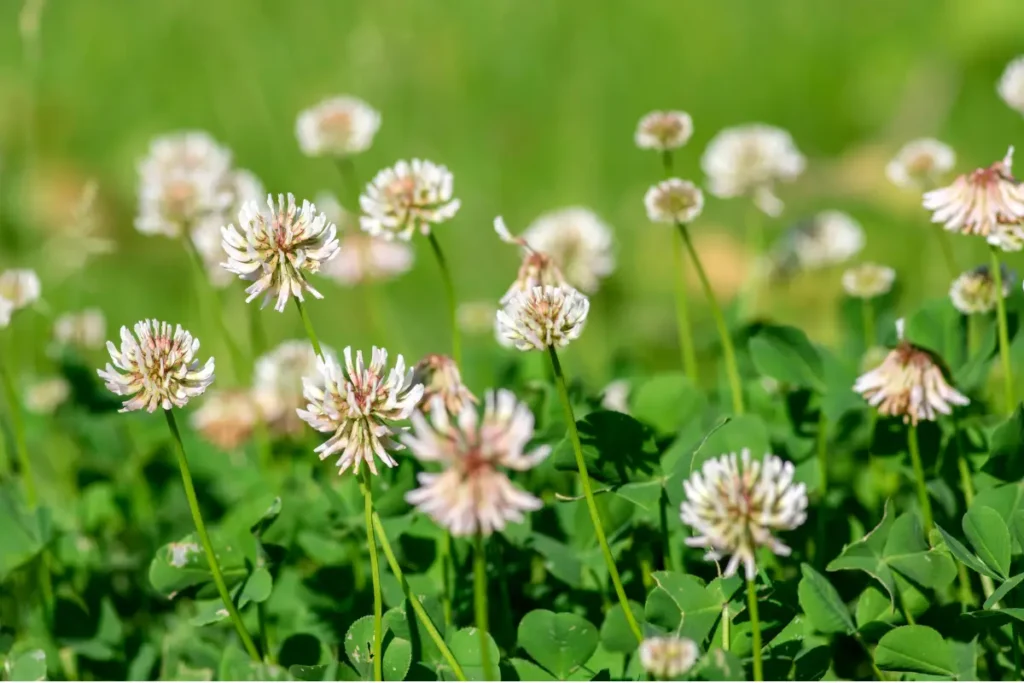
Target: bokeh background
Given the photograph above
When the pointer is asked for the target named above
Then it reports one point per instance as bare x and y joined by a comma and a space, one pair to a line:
531, 104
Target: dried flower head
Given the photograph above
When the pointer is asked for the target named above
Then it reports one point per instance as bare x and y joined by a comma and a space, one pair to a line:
442, 380
181, 182
19, 287
975, 291
538, 269
85, 329
338, 126
1011, 84
274, 250
472, 495
226, 418
243, 187
578, 241
751, 160
543, 317
920, 164
278, 384
664, 130
359, 406
735, 503
156, 367
408, 197
45, 396
988, 202
909, 384
674, 201
667, 657
868, 280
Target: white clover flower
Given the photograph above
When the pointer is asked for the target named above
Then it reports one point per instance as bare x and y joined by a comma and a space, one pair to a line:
674, 201
667, 657
408, 197
543, 317
831, 238
988, 202
181, 181
868, 280
538, 269
578, 241
921, 163
441, 379
45, 396
909, 384
19, 287
274, 250
751, 160
1011, 84
734, 505
359, 406
338, 126
244, 187
975, 291
278, 383
616, 396
664, 130
85, 329
157, 367
471, 495
226, 418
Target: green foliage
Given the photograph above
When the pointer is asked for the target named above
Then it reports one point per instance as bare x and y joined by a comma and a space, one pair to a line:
561, 643
821, 603
915, 649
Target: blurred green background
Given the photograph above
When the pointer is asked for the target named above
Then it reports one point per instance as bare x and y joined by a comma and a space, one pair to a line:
531, 104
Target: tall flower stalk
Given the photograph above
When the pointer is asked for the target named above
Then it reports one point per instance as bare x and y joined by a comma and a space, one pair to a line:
449, 291
378, 602
480, 605
1004, 334
922, 486
755, 630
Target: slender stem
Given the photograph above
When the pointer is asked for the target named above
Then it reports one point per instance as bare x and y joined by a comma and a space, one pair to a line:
871, 658
1004, 335
18, 425
726, 627
349, 186
922, 489
480, 605
446, 576
666, 546
449, 290
867, 312
823, 450
966, 594
723, 331
905, 608
686, 347
378, 602
261, 615
204, 538
755, 629
947, 252
417, 606
595, 516
257, 335
967, 484
310, 332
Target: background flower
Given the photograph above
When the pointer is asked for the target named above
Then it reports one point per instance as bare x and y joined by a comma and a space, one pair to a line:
338, 126
407, 198
751, 160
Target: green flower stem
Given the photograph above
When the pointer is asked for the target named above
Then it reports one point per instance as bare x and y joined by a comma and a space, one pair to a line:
685, 329
755, 630
310, 332
480, 604
261, 615
204, 538
446, 576
18, 426
666, 546
1004, 335
867, 312
349, 186
595, 516
922, 490
947, 252
417, 606
378, 602
205, 293
449, 290
726, 627
723, 331
257, 335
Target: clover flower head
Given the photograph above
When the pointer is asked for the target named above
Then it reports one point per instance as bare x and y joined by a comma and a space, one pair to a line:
578, 241
735, 504
667, 657
226, 418
975, 291
988, 202
157, 367
46, 395
1011, 84
243, 187
921, 163
751, 160
19, 288
339, 126
472, 495
909, 384
85, 329
664, 130
868, 280
359, 406
673, 201
181, 182
361, 257
274, 250
832, 237
411, 196
441, 379
538, 269
278, 384
542, 318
